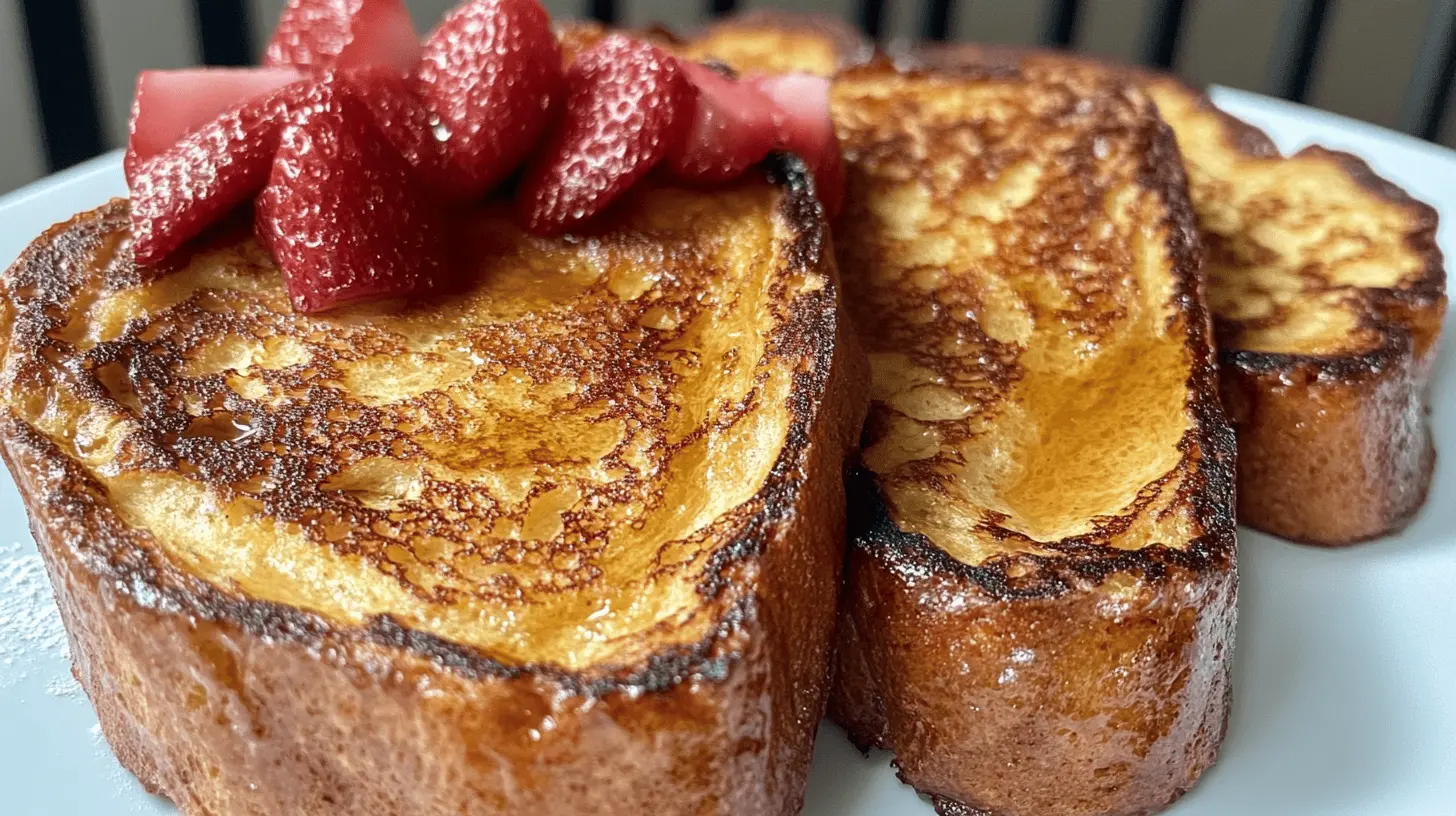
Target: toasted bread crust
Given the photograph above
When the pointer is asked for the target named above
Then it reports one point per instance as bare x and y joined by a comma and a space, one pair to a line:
1102, 698
231, 705
1087, 680
1084, 679
1334, 449
1337, 450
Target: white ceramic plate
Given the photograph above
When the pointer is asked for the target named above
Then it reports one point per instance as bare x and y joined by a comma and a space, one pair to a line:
1345, 688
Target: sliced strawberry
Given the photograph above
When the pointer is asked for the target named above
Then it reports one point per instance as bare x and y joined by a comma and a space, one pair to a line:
409, 125
171, 104
343, 214
628, 105
491, 71
806, 128
734, 126
181, 191
321, 34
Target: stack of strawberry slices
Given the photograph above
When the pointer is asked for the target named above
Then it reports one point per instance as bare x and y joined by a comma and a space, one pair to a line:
357, 143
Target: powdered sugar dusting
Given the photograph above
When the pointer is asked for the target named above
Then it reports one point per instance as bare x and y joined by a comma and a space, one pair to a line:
65, 687
31, 635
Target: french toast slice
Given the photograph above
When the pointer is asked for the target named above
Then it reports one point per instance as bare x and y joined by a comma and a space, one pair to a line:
1327, 287
1040, 596
569, 540
1040, 600
1328, 292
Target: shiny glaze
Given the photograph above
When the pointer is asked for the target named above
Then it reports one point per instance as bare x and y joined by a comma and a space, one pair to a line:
235, 695
1011, 671
1328, 292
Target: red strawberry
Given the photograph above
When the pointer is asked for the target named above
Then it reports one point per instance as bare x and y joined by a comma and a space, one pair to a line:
408, 125
806, 128
628, 105
343, 214
178, 193
171, 104
321, 34
491, 71
733, 128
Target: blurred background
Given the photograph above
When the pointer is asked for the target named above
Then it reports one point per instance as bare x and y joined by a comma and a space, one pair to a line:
67, 66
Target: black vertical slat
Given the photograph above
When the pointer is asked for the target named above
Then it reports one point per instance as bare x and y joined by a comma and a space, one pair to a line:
224, 32
872, 17
1308, 30
1163, 33
1441, 93
718, 8
1061, 24
937, 19
64, 84
604, 11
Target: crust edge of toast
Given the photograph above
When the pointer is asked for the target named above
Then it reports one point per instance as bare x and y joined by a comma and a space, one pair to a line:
914, 618
763, 643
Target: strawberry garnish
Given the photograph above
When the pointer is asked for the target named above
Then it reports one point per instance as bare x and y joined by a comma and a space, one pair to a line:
343, 213
179, 192
628, 105
807, 129
171, 104
414, 130
734, 126
491, 71
321, 34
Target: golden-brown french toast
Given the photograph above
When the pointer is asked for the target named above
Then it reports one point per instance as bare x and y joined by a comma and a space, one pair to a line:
1040, 601
1328, 292
568, 541
1039, 613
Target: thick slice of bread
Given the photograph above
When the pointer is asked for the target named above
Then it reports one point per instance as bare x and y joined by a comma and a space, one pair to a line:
1328, 292
1040, 601
567, 542
1040, 607
1040, 604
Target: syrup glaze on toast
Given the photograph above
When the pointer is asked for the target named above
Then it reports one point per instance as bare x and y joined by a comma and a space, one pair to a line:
1328, 292
589, 477
1019, 313
1041, 587
1046, 439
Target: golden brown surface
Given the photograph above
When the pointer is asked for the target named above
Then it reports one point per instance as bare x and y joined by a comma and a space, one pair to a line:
1040, 594
456, 556
1009, 271
1327, 287
768, 41
1328, 292
1039, 614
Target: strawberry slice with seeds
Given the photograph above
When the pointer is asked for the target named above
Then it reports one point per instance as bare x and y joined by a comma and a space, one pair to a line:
343, 214
315, 35
734, 126
169, 105
807, 129
181, 191
414, 130
492, 72
628, 105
